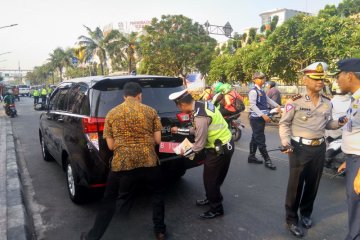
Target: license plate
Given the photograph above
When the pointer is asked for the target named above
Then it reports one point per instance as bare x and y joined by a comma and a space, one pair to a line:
167, 147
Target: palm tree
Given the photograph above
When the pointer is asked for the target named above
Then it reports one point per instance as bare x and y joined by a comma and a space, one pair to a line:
97, 44
61, 58
122, 52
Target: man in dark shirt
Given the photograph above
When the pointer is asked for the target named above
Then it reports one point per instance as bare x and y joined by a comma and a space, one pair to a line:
131, 130
273, 93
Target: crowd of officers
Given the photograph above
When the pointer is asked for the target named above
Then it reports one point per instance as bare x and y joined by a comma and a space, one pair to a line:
41, 93
301, 129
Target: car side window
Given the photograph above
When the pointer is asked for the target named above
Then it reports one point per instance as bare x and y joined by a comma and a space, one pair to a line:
53, 99
62, 100
77, 97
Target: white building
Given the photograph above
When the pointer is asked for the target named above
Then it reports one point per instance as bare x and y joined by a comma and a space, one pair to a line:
283, 14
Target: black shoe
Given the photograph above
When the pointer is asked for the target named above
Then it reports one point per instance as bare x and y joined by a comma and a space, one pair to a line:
295, 230
253, 159
83, 236
160, 236
306, 222
202, 202
270, 165
211, 214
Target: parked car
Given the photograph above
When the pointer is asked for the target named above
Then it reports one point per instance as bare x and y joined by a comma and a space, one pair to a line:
24, 90
72, 125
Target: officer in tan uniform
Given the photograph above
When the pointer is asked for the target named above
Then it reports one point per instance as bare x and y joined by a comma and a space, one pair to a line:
302, 129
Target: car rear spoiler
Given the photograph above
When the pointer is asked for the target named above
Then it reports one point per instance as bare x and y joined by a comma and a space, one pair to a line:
112, 83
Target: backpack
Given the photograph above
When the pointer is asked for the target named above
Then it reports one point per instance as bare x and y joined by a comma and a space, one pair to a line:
237, 103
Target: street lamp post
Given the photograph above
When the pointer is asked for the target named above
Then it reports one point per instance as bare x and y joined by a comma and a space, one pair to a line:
12, 25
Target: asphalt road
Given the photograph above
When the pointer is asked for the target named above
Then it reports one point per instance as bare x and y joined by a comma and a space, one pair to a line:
253, 198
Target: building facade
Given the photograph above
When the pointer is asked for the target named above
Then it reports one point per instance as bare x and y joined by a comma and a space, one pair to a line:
283, 15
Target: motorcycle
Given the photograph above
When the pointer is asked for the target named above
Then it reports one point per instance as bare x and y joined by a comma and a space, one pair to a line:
10, 110
334, 157
275, 116
235, 126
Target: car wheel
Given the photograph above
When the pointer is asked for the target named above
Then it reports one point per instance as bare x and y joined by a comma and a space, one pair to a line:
76, 192
45, 153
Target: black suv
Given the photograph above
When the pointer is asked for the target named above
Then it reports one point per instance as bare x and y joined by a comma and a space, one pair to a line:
71, 127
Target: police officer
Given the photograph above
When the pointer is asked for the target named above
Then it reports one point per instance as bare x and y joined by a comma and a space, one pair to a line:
213, 138
302, 127
43, 95
349, 82
258, 117
36, 95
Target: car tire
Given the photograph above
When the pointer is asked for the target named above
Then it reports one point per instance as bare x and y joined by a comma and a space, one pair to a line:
45, 153
76, 192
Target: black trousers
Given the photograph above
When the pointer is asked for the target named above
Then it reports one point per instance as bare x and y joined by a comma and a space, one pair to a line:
36, 99
258, 132
215, 171
306, 166
121, 185
43, 98
353, 199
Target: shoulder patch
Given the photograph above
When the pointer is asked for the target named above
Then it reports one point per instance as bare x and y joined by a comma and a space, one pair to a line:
289, 107
296, 97
326, 97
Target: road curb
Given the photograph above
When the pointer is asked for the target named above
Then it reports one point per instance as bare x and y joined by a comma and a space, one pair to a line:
13, 212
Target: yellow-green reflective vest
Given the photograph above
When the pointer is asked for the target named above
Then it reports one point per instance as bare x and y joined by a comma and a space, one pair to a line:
36, 93
218, 128
43, 91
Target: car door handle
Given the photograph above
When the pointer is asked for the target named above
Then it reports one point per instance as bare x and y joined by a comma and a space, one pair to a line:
60, 120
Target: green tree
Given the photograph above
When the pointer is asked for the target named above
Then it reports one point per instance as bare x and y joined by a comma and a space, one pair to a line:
59, 59
328, 11
274, 22
348, 7
124, 52
218, 68
96, 44
175, 45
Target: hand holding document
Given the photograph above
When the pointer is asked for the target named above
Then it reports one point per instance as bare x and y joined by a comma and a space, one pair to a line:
183, 147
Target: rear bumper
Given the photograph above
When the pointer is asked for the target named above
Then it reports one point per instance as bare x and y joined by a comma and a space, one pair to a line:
182, 161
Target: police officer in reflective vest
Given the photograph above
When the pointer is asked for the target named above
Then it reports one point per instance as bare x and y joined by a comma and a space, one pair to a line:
212, 137
36, 95
43, 94
258, 117
302, 129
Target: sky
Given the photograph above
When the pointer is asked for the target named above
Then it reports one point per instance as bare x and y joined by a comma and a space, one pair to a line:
44, 25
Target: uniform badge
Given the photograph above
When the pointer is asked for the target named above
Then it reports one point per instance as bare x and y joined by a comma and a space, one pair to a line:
319, 68
307, 97
289, 107
304, 118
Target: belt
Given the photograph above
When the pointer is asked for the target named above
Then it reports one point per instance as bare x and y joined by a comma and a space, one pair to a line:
310, 142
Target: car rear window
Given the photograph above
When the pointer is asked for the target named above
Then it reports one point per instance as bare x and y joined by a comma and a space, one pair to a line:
23, 86
157, 98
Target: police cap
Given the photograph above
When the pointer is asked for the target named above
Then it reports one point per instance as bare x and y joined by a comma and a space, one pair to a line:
347, 65
315, 70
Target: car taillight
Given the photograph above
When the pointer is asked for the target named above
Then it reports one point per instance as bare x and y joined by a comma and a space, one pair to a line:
92, 126
183, 117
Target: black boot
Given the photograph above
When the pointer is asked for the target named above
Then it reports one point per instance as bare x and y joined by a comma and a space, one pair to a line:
252, 158
268, 162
